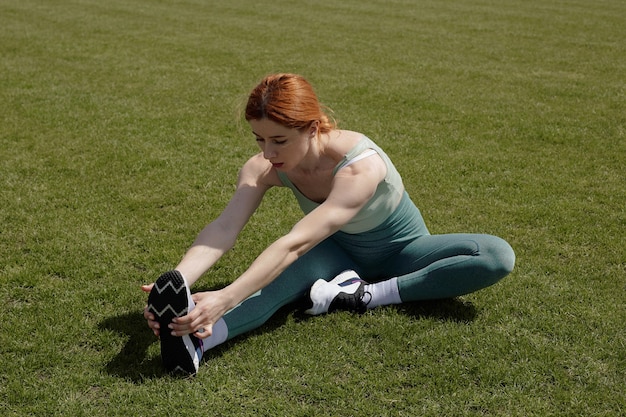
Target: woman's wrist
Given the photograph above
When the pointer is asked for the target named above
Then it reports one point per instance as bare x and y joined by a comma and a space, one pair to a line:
230, 296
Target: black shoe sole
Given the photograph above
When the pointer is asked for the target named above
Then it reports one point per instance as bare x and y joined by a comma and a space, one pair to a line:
167, 300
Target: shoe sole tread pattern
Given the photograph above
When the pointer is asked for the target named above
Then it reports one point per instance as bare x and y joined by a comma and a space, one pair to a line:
167, 300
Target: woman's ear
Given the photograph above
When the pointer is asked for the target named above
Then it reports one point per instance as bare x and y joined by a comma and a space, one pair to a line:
314, 128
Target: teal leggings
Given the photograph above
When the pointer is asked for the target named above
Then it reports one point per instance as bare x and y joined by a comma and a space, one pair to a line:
427, 266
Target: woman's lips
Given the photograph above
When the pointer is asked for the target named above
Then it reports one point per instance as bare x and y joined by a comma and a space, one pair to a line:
277, 164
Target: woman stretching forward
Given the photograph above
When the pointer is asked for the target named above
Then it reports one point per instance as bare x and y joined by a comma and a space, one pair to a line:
362, 243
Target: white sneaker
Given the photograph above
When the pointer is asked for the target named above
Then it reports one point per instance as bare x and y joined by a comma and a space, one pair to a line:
345, 292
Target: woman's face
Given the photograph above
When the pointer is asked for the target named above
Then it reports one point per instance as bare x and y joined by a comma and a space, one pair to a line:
284, 147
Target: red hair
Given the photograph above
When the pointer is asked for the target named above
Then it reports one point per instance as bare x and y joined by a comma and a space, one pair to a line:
290, 100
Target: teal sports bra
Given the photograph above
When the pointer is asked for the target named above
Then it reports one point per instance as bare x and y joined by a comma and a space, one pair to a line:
384, 201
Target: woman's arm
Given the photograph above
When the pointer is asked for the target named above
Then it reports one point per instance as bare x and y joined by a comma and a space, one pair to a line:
352, 188
220, 235
255, 178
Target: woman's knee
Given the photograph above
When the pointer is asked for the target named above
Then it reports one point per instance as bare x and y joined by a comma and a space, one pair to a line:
502, 256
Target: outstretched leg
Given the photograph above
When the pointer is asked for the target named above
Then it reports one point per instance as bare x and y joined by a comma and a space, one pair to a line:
323, 261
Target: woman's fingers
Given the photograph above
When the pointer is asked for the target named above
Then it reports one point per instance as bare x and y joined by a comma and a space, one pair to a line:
198, 326
204, 332
147, 287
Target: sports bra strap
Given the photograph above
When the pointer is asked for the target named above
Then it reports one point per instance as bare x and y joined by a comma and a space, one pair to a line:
360, 156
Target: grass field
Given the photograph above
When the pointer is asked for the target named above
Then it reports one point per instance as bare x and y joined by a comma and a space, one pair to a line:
120, 138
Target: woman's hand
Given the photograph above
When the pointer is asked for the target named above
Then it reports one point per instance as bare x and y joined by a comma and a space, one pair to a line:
210, 307
152, 323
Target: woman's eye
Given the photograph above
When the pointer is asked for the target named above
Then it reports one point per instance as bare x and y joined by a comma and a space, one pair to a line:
259, 139
280, 142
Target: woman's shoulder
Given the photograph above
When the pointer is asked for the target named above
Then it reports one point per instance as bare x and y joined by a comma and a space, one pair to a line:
343, 141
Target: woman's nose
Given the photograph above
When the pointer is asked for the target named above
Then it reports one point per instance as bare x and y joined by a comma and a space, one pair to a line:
269, 152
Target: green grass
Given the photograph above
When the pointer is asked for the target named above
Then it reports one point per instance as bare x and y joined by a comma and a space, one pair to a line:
120, 138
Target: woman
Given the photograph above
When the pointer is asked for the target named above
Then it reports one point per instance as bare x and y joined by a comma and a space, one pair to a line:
361, 233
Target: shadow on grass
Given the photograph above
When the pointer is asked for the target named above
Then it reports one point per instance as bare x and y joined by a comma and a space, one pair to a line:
454, 310
132, 362
451, 310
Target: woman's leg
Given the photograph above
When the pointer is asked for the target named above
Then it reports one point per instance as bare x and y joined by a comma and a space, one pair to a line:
446, 266
167, 297
405, 263
323, 261
430, 267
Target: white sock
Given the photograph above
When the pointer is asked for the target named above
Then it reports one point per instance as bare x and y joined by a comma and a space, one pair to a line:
219, 335
220, 330
383, 293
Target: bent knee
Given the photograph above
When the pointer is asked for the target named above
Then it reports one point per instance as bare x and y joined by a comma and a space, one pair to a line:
502, 256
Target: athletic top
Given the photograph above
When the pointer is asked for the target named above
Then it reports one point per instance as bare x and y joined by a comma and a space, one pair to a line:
385, 200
